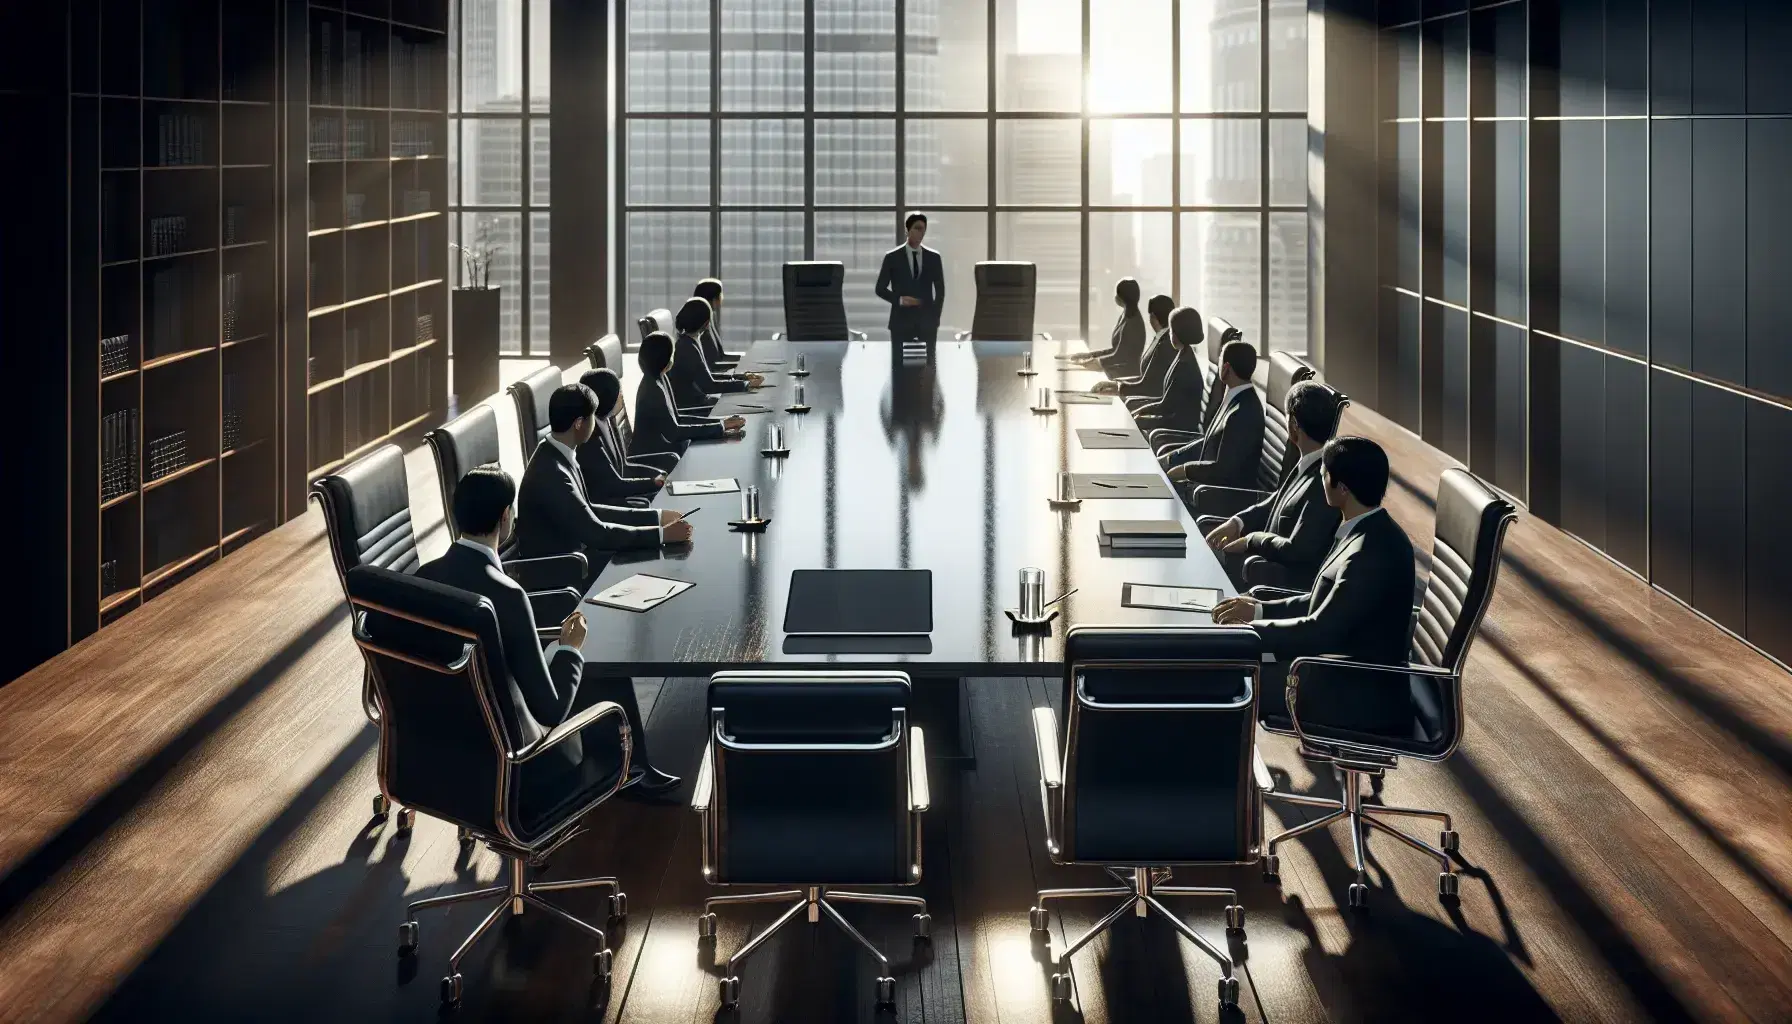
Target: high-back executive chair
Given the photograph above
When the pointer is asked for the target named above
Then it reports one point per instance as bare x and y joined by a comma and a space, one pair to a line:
1279, 453
812, 780
606, 354
660, 320
814, 309
1155, 768
531, 396
470, 440
1007, 291
1465, 558
457, 742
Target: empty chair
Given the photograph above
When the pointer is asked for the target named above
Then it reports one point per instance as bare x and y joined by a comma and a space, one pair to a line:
605, 354
1465, 556
814, 309
1154, 769
1279, 454
811, 780
1006, 293
459, 743
531, 395
469, 440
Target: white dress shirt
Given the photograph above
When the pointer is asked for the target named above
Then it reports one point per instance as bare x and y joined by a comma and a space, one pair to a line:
1345, 527
498, 564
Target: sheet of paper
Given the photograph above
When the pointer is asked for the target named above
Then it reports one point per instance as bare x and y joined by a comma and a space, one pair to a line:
640, 593
1187, 599
682, 487
1082, 398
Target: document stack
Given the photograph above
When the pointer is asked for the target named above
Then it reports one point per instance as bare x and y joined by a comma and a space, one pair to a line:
233, 224
167, 295
233, 297
115, 354
326, 138
1143, 535
167, 454
359, 141
167, 235
180, 140
233, 415
426, 328
118, 454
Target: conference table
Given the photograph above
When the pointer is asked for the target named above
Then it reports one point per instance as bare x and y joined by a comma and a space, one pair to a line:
905, 460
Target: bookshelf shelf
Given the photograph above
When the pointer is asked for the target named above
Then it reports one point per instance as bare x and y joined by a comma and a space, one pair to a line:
244, 449
236, 535
121, 499
175, 567
122, 597
177, 255
120, 375
244, 341
176, 357
245, 245
181, 473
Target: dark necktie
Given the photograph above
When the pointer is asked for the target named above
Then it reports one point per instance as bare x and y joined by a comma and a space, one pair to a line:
914, 263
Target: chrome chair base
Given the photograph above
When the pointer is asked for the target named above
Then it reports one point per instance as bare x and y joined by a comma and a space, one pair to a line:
1363, 818
513, 897
817, 901
1140, 890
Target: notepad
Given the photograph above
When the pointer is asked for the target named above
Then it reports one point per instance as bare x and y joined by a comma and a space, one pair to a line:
1174, 599
683, 487
640, 593
1121, 485
1094, 438
1143, 534
1082, 398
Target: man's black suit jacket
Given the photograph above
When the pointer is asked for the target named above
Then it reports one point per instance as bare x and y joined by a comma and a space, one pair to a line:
1360, 607
693, 385
719, 357
897, 279
1294, 526
661, 428
610, 478
1231, 450
554, 516
1160, 354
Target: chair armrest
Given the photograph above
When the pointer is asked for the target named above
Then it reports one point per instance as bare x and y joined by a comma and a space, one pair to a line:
1332, 668
777, 335
1260, 771
549, 573
1212, 500
1275, 593
1045, 741
552, 606
1045, 336
961, 336
857, 335
920, 797
706, 781
559, 733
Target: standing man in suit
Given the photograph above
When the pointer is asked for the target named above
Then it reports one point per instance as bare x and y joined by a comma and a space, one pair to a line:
555, 683
913, 282
1228, 453
556, 515
1289, 532
1359, 607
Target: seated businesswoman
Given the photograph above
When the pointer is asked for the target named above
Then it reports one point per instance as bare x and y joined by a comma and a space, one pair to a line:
659, 425
710, 290
694, 386
611, 478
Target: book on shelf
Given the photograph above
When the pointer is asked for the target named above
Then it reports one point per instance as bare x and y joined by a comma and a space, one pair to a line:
115, 354
167, 317
233, 414
351, 69
234, 222
167, 454
426, 328
233, 296
167, 235
326, 70
180, 140
1143, 534
118, 453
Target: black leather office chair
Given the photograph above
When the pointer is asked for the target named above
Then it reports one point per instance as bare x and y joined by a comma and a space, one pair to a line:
812, 779
531, 396
367, 515
606, 354
1465, 558
1279, 453
1155, 768
457, 742
1007, 292
469, 440
814, 309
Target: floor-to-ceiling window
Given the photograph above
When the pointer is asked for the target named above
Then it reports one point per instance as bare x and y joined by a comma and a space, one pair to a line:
1159, 139
498, 147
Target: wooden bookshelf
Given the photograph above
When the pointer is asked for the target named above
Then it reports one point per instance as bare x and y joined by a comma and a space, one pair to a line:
175, 138
372, 242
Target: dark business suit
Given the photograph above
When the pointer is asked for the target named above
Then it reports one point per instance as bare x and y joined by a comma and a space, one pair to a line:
897, 279
719, 357
1360, 607
552, 690
1179, 408
1126, 346
693, 385
610, 478
1231, 450
660, 427
1290, 531
554, 515
1148, 385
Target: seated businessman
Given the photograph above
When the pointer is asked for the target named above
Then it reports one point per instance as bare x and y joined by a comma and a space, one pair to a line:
1359, 606
913, 282
557, 683
555, 514
1230, 449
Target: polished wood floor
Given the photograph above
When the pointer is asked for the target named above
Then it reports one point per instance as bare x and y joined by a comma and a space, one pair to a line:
187, 836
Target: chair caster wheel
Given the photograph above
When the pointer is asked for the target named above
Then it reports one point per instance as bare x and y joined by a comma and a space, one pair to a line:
381, 806
886, 992
1062, 987
1272, 868
619, 906
1446, 884
451, 990
730, 993
1235, 918
601, 964
407, 938
1449, 841
923, 927
407, 820
1228, 993
1358, 895
464, 837
706, 928
1039, 918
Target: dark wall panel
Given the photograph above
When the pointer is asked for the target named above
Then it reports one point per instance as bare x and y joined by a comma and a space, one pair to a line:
1455, 184
1582, 239
1670, 484
1627, 236
1454, 324
1581, 46
1626, 57
1719, 249
1509, 297
1410, 192
1719, 56
1505, 27
1670, 243
1770, 257
1509, 409
1583, 443
1720, 504
1626, 463
1769, 43
1769, 541
1405, 383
